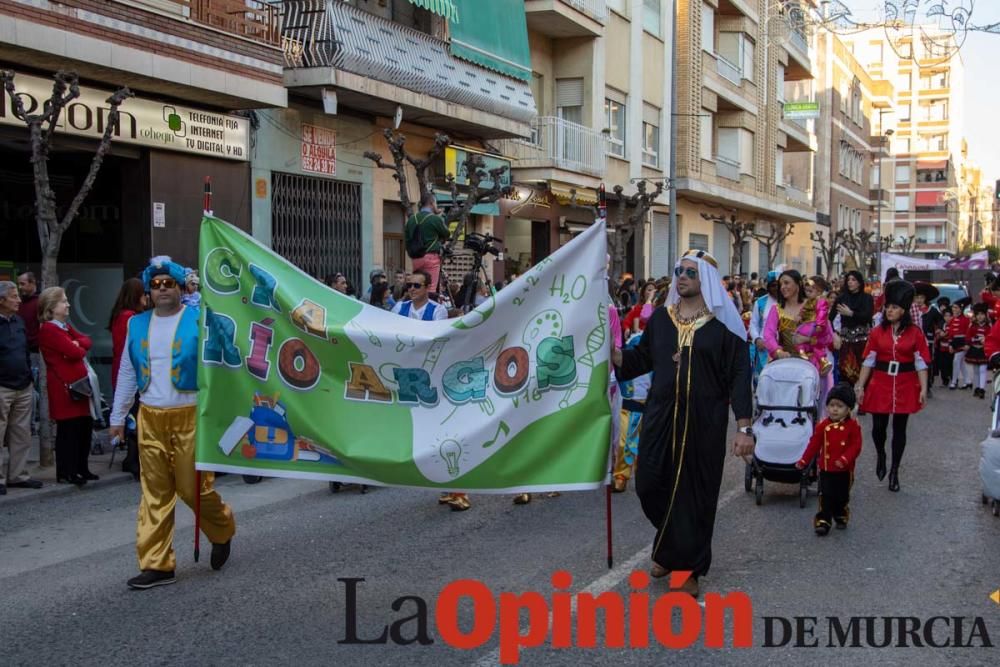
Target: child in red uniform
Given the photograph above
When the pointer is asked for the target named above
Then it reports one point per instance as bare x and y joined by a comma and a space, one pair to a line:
955, 332
975, 356
837, 442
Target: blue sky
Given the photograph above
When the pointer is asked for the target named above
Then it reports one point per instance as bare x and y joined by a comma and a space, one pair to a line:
981, 56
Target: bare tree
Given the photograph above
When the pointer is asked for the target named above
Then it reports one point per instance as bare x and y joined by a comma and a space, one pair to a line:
739, 232
474, 167
51, 226
828, 249
629, 214
401, 159
774, 239
41, 126
860, 247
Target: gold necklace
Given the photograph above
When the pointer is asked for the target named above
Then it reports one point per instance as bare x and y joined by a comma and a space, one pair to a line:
679, 319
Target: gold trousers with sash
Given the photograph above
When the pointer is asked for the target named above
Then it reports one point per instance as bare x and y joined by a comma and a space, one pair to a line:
166, 459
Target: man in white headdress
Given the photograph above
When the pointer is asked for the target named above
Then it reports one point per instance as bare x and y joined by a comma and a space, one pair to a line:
696, 347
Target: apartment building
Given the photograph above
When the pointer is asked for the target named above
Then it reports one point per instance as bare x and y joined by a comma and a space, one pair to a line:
740, 62
975, 221
927, 73
601, 83
847, 194
191, 65
355, 68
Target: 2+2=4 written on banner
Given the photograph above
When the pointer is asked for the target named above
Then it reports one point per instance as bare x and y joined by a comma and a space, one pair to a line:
297, 380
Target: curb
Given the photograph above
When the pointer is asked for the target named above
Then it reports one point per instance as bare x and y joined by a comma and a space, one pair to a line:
54, 490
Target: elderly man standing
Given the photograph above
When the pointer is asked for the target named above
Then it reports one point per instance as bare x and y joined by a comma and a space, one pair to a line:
16, 393
162, 365
696, 348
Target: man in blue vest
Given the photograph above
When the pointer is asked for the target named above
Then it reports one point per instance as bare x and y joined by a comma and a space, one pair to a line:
162, 366
417, 305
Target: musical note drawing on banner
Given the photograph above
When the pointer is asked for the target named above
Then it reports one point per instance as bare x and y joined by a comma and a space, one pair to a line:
496, 436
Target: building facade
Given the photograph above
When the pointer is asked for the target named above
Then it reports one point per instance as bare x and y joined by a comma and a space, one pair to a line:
926, 70
739, 63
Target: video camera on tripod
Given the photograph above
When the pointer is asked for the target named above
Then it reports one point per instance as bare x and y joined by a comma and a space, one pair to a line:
482, 244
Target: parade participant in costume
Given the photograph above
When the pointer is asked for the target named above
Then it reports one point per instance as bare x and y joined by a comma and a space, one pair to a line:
855, 309
943, 357
798, 326
975, 356
816, 325
634, 393
192, 283
837, 442
758, 318
639, 314
696, 349
956, 333
896, 362
162, 365
931, 321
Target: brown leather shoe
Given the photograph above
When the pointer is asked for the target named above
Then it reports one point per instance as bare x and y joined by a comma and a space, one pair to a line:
445, 498
619, 484
522, 499
690, 586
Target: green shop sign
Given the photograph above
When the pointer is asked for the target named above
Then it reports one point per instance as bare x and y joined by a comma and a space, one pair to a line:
800, 110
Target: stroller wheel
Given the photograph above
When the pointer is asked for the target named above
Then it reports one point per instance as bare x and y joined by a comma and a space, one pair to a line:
758, 491
335, 487
252, 479
803, 494
748, 478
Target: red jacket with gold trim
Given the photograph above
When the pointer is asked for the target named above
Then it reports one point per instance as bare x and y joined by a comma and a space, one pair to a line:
834, 442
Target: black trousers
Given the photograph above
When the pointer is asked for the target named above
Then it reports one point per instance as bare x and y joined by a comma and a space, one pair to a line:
942, 365
835, 495
73, 446
880, 425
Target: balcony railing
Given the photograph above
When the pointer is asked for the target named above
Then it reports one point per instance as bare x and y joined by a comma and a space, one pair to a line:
561, 144
799, 40
254, 19
727, 70
597, 9
795, 194
727, 168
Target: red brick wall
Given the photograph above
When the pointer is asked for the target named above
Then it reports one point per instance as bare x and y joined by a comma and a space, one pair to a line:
65, 19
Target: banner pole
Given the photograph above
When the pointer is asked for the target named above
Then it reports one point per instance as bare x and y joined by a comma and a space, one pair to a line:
197, 514
207, 202
607, 494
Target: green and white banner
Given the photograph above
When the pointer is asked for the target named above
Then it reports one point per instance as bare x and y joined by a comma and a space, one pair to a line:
297, 380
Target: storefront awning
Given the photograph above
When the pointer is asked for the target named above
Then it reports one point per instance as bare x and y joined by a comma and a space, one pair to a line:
932, 164
445, 8
929, 198
492, 34
584, 197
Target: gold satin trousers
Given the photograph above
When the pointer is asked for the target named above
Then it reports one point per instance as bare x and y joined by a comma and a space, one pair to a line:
166, 459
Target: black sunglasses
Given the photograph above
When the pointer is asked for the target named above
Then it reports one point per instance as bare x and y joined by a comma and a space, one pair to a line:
414, 285
691, 273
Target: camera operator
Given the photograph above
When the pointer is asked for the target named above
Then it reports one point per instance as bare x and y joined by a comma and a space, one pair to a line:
426, 234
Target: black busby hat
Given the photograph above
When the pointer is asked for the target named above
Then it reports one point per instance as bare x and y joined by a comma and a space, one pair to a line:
980, 308
844, 393
929, 291
899, 293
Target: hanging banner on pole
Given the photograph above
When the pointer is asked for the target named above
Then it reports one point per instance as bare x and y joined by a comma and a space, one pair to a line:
978, 261
297, 380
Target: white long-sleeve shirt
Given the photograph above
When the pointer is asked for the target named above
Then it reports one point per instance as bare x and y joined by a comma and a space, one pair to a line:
759, 318
161, 392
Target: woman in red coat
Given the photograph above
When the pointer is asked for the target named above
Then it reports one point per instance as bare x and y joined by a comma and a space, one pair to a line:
893, 378
64, 349
130, 301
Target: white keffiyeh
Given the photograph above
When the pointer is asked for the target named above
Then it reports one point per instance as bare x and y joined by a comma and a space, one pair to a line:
716, 298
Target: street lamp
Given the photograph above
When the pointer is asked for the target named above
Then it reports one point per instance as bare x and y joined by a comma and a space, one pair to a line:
882, 141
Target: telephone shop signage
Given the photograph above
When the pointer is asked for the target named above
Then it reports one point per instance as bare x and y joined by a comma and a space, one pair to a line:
143, 122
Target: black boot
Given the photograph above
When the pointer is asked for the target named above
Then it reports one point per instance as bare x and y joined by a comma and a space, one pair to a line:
880, 464
894, 479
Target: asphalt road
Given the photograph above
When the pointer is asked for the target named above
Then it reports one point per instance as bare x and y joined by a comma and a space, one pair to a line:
930, 550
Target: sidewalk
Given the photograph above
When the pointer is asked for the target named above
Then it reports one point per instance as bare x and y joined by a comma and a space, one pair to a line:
98, 466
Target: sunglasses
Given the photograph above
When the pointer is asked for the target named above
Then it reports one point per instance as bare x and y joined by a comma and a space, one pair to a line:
414, 285
688, 271
162, 283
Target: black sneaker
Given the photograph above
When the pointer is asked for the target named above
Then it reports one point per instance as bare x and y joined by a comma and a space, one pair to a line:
840, 522
151, 579
220, 554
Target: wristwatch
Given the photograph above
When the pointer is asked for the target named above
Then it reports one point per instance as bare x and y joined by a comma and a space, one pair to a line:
745, 430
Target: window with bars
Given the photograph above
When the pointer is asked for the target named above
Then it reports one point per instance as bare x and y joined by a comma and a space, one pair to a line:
316, 224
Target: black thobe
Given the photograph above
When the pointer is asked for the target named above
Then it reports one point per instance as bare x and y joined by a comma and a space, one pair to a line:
719, 366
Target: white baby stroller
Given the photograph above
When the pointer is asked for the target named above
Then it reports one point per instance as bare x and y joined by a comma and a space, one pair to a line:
787, 407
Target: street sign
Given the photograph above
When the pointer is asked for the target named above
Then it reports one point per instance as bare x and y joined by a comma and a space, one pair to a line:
800, 110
